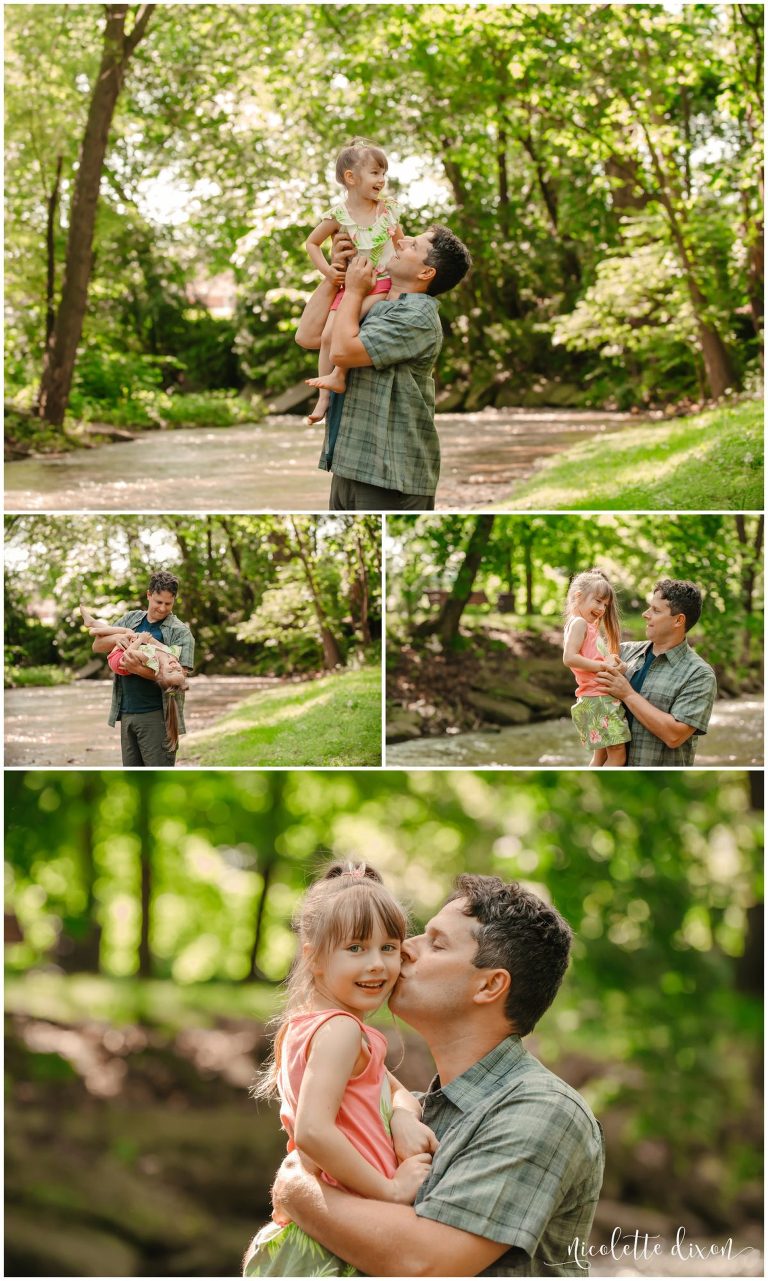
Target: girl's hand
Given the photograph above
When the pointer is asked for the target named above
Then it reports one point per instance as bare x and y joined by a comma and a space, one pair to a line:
410, 1136
124, 641
336, 273
409, 1179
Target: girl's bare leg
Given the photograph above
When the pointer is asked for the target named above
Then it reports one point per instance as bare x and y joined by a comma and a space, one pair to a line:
599, 756
333, 379
325, 370
617, 755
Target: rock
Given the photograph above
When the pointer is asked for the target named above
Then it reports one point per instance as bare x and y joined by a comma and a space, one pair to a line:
291, 398
403, 725
517, 689
450, 400
500, 711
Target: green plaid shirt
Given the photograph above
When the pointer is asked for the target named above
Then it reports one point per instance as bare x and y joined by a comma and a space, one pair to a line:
387, 433
174, 633
520, 1162
678, 682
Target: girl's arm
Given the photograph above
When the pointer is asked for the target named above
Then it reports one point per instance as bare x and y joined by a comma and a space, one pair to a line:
573, 640
409, 1133
334, 1052
313, 245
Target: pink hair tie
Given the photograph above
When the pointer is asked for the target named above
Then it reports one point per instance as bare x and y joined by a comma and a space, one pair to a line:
358, 870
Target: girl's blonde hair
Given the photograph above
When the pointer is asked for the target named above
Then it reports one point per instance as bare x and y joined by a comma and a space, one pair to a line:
346, 903
353, 155
593, 582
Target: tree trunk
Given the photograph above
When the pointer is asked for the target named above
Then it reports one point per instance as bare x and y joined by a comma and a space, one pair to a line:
50, 243
717, 362
62, 344
528, 563
749, 966
249, 596
446, 625
751, 560
363, 592
143, 784
331, 653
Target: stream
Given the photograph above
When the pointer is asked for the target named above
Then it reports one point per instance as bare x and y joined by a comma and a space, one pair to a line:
734, 737
67, 724
272, 465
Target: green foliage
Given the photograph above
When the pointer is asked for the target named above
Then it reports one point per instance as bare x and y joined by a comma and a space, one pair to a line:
244, 591
529, 561
603, 214
20, 677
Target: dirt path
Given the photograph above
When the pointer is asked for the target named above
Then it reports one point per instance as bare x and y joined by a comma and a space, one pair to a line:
67, 724
272, 466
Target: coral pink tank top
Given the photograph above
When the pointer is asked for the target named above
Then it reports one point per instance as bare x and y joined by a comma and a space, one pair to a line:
586, 682
366, 1107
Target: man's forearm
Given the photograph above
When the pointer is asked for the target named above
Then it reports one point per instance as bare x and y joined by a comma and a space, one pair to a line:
380, 1238
671, 732
310, 331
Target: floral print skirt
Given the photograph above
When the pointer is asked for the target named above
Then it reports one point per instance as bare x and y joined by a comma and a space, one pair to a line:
600, 721
289, 1252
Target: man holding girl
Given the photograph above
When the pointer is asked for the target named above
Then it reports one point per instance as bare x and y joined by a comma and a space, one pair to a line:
147, 701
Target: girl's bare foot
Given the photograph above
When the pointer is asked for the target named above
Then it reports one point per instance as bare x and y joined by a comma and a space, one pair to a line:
336, 380
88, 618
321, 408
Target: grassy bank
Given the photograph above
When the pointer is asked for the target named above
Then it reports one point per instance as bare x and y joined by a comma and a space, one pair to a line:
707, 462
332, 721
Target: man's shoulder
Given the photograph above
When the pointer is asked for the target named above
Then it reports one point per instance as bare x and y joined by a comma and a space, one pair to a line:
177, 624
540, 1084
700, 664
629, 649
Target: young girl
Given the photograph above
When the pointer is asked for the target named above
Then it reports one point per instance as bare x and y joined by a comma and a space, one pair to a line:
371, 220
160, 658
337, 1099
600, 719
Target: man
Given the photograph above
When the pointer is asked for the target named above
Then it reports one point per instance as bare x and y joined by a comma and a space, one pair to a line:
137, 702
517, 1174
381, 444
678, 687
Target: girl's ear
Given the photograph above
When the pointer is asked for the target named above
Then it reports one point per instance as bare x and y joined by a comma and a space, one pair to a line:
310, 958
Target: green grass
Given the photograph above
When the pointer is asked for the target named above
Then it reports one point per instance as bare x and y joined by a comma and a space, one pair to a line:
708, 462
332, 721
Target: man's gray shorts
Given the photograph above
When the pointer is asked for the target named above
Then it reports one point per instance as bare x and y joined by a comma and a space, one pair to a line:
356, 496
142, 735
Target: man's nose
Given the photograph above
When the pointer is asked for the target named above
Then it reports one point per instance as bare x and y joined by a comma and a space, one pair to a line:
409, 947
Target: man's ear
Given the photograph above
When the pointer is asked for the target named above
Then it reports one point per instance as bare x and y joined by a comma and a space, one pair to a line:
427, 273
494, 987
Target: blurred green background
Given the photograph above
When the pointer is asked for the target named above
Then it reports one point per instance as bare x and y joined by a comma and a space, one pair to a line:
147, 933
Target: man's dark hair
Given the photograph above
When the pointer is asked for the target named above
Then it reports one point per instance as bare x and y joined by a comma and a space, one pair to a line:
683, 597
162, 581
451, 258
517, 932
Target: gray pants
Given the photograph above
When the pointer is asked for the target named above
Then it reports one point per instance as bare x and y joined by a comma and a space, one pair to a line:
355, 496
142, 735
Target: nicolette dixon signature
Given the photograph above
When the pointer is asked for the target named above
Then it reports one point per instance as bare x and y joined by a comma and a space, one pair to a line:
644, 1245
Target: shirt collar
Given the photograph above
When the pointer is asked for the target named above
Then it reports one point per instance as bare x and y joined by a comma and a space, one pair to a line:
674, 655
471, 1089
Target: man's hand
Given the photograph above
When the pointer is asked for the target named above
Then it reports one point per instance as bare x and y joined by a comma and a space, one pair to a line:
614, 683
290, 1174
123, 642
342, 250
410, 1136
361, 276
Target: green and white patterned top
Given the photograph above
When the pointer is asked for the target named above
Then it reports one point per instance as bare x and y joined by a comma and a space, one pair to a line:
374, 241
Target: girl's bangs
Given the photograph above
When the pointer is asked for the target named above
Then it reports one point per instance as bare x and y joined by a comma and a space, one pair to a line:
354, 915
